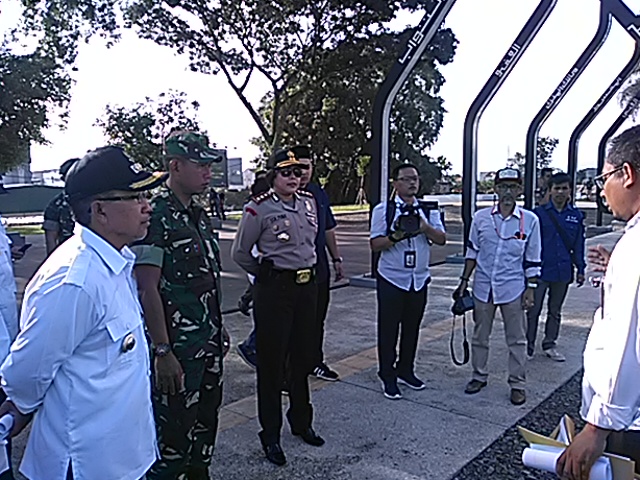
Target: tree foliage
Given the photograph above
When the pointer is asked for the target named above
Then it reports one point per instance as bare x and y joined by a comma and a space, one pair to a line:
327, 56
141, 128
544, 156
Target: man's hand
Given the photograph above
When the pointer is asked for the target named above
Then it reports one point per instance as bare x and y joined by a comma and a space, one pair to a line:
17, 253
576, 461
169, 374
598, 256
461, 288
339, 271
528, 298
580, 279
19, 420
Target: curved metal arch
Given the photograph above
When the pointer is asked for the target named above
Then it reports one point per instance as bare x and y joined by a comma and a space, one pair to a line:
554, 100
491, 87
572, 166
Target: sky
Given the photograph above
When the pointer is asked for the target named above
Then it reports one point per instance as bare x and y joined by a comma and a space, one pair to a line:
135, 68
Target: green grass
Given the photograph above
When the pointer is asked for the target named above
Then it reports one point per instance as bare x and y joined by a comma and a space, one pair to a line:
26, 230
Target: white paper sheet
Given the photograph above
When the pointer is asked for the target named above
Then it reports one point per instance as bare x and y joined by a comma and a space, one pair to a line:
543, 457
6, 424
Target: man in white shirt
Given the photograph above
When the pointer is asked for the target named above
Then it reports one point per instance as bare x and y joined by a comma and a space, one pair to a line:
402, 232
504, 250
610, 386
80, 364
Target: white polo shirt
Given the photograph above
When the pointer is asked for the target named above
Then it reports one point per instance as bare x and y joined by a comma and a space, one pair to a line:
91, 397
611, 386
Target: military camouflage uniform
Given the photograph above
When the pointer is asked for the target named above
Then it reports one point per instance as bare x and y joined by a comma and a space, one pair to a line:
58, 218
181, 242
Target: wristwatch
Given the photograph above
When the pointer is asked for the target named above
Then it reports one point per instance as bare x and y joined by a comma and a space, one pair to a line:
162, 349
337, 260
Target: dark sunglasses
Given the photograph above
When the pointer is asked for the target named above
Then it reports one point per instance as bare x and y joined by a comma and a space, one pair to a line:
287, 172
139, 197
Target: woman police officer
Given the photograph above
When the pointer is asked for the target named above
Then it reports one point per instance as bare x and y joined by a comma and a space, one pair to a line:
282, 223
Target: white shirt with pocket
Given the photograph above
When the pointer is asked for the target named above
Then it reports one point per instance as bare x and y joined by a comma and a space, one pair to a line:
70, 365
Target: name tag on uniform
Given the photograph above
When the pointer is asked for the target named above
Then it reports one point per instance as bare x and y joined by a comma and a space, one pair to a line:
410, 259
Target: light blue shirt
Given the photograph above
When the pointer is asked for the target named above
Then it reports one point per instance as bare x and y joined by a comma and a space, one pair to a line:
502, 260
391, 265
92, 399
8, 303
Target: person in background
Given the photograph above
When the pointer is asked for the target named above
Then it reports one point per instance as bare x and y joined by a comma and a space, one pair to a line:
504, 251
562, 233
58, 219
542, 191
80, 364
610, 387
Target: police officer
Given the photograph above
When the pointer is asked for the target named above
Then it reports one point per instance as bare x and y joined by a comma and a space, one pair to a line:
58, 219
179, 281
283, 224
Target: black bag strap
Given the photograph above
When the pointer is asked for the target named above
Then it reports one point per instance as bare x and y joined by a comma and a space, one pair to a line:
390, 214
563, 236
465, 343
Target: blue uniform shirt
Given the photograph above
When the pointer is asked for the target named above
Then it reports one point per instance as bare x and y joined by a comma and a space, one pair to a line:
326, 221
556, 259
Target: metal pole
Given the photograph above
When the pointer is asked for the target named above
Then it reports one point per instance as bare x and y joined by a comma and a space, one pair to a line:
553, 101
472, 121
422, 36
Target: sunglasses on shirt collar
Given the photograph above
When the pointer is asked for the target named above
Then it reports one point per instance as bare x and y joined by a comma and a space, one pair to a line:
288, 171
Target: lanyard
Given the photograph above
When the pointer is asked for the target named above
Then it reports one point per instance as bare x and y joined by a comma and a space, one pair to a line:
520, 235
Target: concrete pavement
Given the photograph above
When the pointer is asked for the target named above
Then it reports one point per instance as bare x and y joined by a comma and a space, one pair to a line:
428, 434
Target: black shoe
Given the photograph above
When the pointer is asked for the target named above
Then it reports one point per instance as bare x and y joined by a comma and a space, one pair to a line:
244, 305
325, 373
309, 436
273, 452
249, 356
474, 386
518, 396
198, 473
411, 381
391, 390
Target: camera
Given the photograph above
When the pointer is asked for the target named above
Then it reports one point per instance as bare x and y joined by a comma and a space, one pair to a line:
462, 304
409, 219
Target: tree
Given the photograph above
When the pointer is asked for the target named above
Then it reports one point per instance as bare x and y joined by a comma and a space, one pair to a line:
630, 90
141, 128
31, 86
546, 147
283, 41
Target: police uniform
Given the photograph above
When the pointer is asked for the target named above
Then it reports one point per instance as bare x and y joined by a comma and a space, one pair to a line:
180, 242
285, 298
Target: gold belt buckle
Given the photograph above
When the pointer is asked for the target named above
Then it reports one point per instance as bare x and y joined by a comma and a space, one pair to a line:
303, 276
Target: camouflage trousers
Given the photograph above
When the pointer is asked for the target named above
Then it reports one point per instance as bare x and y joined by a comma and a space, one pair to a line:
187, 423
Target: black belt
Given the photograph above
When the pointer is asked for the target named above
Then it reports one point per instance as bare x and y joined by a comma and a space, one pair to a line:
301, 276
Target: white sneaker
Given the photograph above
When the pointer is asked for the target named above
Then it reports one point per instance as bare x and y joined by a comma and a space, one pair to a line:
554, 355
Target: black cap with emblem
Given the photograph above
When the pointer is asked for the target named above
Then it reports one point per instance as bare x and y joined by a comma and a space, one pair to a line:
106, 169
285, 158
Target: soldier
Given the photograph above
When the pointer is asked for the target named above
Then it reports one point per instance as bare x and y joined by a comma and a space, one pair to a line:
58, 220
283, 224
179, 282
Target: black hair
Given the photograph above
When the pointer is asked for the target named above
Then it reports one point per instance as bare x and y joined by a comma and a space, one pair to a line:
625, 148
81, 210
558, 179
260, 185
403, 166
546, 170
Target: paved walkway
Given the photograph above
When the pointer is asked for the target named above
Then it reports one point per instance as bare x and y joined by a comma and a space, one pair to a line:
428, 434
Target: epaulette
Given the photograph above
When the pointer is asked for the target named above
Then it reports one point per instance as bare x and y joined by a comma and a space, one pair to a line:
261, 197
304, 193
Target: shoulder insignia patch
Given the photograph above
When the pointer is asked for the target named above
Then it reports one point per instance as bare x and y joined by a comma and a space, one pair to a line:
304, 193
258, 199
251, 211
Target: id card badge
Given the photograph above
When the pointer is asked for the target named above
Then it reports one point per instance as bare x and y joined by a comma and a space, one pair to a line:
410, 259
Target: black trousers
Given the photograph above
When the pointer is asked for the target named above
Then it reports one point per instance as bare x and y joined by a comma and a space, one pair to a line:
557, 294
322, 306
627, 444
399, 311
285, 316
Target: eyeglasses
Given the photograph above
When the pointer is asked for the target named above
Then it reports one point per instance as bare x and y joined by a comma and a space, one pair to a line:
601, 179
139, 197
287, 172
